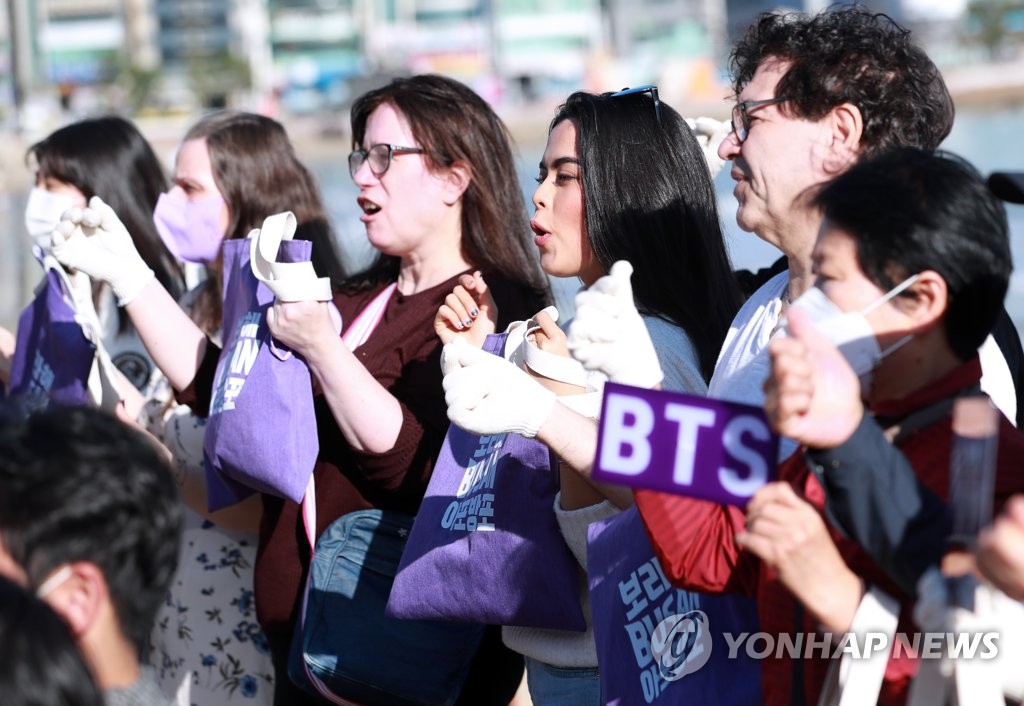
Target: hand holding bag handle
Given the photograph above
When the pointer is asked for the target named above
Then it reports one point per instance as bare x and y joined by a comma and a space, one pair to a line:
244, 451
358, 331
289, 281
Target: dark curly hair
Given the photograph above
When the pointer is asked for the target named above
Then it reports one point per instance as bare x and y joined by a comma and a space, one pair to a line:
848, 54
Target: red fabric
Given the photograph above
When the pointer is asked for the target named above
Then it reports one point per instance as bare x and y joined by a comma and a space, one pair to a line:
695, 540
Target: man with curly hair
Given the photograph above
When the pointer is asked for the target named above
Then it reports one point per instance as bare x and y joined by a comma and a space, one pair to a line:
814, 95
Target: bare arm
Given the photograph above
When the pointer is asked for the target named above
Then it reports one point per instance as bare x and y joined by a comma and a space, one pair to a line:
573, 438
171, 338
367, 414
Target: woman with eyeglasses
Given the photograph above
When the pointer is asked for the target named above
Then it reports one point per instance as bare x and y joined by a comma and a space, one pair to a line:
622, 178
439, 199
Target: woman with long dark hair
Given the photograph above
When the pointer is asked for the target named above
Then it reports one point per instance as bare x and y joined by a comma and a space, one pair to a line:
106, 157
622, 178
439, 199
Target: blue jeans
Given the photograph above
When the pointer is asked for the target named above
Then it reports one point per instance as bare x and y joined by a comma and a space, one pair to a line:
562, 686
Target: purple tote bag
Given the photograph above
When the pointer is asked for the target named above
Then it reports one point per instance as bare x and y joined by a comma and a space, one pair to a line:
657, 644
53, 357
261, 431
486, 547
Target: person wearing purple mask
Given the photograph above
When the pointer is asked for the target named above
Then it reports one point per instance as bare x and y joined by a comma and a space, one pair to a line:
439, 198
232, 170
192, 229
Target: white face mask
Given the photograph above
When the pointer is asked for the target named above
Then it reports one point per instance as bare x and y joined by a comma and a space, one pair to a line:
55, 580
43, 212
850, 331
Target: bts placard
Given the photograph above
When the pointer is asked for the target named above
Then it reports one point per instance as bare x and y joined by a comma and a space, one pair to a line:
684, 444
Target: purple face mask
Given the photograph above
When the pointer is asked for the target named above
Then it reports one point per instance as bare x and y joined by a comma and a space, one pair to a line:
190, 229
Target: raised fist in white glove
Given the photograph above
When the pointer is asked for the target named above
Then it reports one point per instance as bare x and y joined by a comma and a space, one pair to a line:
710, 133
609, 335
486, 394
94, 241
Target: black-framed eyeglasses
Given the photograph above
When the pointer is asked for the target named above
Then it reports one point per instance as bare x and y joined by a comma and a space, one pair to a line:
379, 157
741, 115
649, 88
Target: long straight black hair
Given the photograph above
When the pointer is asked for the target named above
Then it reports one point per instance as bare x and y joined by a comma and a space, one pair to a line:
108, 157
648, 198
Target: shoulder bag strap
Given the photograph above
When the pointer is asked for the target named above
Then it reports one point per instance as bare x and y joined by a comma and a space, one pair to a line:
357, 334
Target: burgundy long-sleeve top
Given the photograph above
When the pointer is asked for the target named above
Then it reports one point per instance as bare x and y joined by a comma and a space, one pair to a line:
403, 355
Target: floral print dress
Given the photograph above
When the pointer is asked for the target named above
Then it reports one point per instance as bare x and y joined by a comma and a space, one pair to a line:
207, 624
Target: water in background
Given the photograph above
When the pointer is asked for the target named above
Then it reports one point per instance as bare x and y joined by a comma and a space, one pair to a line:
989, 138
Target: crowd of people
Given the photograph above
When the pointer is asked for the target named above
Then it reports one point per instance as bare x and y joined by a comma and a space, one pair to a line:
883, 318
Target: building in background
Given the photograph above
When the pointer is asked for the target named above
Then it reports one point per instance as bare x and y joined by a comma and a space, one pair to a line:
80, 41
310, 56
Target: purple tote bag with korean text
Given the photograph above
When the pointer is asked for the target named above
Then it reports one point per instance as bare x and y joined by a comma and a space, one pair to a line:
486, 546
53, 357
261, 431
658, 644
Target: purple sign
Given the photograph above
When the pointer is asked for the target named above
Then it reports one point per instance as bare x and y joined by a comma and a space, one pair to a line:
684, 444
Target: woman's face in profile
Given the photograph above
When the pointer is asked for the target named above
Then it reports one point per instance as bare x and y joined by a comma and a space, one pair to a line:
193, 178
404, 206
558, 223
55, 186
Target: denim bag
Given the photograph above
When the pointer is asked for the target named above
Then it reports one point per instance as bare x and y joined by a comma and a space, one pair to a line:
346, 650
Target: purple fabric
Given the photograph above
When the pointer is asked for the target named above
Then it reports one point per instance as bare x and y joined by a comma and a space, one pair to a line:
53, 357
486, 546
687, 660
261, 431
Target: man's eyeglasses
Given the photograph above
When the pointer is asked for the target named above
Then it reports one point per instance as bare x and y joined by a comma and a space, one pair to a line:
379, 157
649, 88
741, 115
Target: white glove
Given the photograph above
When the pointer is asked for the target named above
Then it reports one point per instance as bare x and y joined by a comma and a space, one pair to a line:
609, 335
710, 133
486, 394
95, 241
